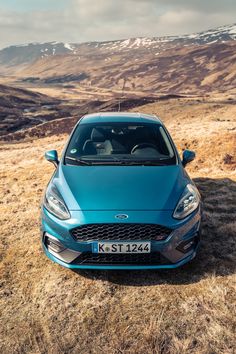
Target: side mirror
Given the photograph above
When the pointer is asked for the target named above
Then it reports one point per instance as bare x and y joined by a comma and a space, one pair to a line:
52, 157
188, 156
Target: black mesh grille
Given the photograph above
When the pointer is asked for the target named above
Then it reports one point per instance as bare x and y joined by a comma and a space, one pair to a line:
119, 232
121, 259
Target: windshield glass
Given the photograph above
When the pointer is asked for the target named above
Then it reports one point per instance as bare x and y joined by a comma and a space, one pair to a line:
116, 143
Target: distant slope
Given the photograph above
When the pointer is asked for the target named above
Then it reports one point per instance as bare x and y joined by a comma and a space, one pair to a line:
188, 69
27, 53
23, 54
61, 118
21, 108
191, 63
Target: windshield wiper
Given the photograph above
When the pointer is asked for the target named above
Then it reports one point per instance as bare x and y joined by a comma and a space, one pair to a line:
116, 161
128, 163
146, 163
80, 161
93, 162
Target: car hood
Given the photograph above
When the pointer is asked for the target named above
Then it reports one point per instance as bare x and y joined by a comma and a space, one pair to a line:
120, 187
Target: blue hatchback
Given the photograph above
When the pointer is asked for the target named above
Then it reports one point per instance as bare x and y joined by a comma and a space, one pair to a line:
120, 197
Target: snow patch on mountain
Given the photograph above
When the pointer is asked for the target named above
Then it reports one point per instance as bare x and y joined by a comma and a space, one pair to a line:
69, 46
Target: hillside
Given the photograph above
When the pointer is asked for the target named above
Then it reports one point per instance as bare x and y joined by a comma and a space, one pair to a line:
181, 70
195, 63
16, 55
26, 113
21, 109
48, 309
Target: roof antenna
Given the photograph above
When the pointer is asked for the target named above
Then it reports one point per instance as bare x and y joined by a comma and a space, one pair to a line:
122, 96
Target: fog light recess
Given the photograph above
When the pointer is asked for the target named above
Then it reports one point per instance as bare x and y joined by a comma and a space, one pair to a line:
53, 244
188, 245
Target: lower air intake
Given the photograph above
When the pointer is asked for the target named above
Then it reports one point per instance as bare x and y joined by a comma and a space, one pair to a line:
121, 259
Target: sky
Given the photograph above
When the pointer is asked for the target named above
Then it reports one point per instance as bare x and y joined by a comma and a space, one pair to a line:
24, 21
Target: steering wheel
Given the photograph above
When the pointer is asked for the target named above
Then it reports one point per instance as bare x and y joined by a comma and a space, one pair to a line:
142, 146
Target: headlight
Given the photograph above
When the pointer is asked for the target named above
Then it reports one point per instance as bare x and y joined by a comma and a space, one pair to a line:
54, 202
188, 202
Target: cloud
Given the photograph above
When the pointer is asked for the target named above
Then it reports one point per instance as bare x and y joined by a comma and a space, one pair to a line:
187, 21
87, 20
201, 6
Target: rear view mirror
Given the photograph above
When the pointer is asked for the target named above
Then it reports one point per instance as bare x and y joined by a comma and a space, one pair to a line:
188, 156
52, 157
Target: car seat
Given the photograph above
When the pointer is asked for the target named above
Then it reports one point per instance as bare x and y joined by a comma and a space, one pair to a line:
97, 144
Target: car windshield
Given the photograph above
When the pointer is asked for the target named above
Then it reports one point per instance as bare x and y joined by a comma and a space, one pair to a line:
120, 143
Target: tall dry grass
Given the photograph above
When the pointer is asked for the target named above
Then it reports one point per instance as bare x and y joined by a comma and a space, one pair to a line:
48, 309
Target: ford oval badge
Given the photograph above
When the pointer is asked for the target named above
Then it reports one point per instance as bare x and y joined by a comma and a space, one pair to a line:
121, 216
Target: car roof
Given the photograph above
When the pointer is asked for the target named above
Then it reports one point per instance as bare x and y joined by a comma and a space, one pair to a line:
103, 117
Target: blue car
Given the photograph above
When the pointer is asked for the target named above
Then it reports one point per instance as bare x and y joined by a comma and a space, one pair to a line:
120, 197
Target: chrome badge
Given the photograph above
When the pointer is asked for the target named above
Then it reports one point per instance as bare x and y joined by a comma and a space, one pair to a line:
121, 216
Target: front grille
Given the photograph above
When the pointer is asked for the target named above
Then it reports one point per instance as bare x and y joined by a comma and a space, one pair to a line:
153, 258
120, 232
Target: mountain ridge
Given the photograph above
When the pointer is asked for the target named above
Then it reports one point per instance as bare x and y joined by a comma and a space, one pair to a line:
190, 69
24, 54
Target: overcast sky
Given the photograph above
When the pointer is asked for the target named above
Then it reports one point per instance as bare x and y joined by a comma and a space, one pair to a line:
23, 21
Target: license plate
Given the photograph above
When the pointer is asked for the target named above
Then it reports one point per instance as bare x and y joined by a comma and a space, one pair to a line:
122, 247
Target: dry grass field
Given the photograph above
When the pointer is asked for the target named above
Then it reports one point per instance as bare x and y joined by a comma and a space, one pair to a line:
45, 308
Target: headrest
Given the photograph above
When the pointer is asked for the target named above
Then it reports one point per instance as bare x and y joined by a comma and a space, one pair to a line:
98, 135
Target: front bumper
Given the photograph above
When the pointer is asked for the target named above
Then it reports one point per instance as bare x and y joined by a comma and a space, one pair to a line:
171, 255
